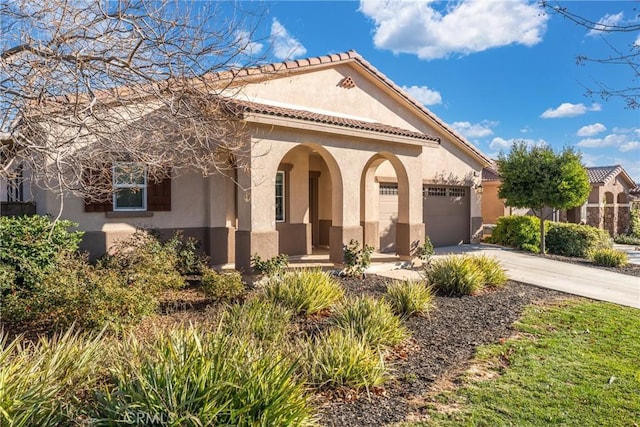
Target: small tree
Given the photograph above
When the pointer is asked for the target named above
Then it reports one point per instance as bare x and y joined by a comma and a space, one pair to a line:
535, 177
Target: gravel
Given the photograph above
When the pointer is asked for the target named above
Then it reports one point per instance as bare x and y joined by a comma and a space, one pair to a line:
441, 344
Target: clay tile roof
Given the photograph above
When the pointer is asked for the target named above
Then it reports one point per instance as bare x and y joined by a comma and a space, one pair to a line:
490, 174
602, 174
635, 191
271, 110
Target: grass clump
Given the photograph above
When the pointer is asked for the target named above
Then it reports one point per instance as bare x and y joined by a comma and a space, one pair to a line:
455, 275
222, 286
258, 319
575, 364
372, 319
408, 298
190, 377
340, 358
609, 257
493, 273
305, 292
43, 383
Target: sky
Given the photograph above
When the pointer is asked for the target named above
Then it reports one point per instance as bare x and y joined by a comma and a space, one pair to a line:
495, 70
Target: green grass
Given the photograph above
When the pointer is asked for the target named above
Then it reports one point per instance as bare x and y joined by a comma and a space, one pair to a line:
575, 365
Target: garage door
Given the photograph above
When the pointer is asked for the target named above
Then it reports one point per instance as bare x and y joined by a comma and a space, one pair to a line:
446, 212
388, 209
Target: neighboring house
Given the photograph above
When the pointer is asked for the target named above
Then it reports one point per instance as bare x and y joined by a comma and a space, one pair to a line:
634, 198
338, 152
607, 206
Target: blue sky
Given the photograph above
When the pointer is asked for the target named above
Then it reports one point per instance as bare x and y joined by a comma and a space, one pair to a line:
496, 70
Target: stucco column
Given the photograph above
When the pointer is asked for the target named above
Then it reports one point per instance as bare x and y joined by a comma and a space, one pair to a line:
410, 230
220, 237
346, 217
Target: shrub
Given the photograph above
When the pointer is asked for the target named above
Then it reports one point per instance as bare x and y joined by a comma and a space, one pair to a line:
522, 232
32, 245
275, 266
426, 251
356, 259
146, 262
305, 292
609, 257
626, 239
339, 358
408, 298
575, 240
634, 223
257, 319
189, 259
44, 381
190, 377
372, 319
82, 294
455, 275
222, 286
493, 273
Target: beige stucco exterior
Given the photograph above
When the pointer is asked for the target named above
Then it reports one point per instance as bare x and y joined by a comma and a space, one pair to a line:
331, 171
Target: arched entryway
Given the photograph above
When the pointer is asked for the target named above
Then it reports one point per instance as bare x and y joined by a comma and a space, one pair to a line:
308, 198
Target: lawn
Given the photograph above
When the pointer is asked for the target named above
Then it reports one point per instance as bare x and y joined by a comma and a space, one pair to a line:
577, 363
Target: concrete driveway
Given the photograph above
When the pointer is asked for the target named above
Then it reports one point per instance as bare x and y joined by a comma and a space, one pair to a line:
562, 276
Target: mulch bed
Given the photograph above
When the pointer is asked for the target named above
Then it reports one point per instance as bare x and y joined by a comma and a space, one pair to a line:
441, 344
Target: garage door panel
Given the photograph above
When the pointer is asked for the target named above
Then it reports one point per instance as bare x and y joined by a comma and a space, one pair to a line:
388, 217
446, 212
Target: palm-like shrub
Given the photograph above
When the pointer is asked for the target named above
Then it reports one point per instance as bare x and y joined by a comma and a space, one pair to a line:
455, 275
42, 383
493, 273
410, 297
340, 358
305, 292
190, 377
372, 319
609, 257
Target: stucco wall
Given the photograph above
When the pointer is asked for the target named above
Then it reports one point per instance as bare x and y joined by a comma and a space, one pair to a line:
492, 206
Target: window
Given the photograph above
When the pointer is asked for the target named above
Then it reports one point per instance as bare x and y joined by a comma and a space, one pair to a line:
129, 187
388, 190
15, 186
280, 196
437, 191
457, 192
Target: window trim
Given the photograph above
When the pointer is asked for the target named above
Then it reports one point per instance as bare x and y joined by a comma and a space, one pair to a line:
116, 187
282, 196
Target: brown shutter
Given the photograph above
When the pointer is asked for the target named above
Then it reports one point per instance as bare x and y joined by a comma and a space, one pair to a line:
159, 194
106, 206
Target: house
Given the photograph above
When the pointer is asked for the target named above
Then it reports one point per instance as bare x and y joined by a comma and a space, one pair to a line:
337, 152
607, 206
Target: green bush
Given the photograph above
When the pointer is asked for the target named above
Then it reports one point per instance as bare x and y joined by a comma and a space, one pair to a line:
609, 257
356, 259
42, 383
455, 275
339, 358
626, 239
227, 285
189, 259
575, 240
426, 251
518, 231
190, 377
493, 273
305, 292
275, 266
146, 263
634, 223
82, 294
257, 319
408, 298
372, 319
32, 245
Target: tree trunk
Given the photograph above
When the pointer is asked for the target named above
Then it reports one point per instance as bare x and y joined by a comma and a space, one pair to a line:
543, 248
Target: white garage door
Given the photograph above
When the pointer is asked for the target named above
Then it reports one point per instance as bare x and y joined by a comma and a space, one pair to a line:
446, 212
388, 208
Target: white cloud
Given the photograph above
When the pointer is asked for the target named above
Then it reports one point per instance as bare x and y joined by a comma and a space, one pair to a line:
284, 45
462, 27
608, 141
637, 42
244, 43
567, 109
591, 130
605, 23
423, 94
475, 130
502, 144
629, 146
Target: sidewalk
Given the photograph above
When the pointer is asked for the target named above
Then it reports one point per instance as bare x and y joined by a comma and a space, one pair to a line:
562, 276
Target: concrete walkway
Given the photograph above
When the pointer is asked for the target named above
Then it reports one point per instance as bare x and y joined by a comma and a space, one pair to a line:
633, 252
562, 276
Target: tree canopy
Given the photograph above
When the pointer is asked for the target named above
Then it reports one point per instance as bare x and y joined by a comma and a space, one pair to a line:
84, 84
536, 177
